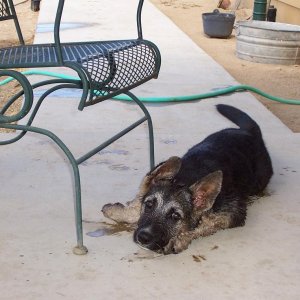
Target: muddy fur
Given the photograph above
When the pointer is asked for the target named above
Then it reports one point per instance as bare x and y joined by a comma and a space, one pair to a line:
205, 191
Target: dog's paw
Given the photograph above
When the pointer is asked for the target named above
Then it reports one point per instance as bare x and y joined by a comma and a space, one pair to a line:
169, 248
121, 213
112, 211
177, 244
109, 206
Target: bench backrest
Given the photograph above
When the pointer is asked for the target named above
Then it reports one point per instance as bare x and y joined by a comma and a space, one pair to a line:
57, 22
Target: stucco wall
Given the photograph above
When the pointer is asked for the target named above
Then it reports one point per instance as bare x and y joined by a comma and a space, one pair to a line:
288, 11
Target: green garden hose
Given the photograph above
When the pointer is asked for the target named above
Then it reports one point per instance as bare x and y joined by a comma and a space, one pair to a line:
228, 90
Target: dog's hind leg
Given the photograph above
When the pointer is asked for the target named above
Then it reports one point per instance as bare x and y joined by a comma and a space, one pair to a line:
128, 213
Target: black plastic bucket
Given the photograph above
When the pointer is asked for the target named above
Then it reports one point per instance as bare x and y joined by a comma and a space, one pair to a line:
35, 5
218, 25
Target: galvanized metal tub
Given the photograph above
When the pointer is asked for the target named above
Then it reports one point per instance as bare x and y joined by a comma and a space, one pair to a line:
268, 42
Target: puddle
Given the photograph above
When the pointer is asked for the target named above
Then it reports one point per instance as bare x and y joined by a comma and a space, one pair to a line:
110, 229
142, 255
95, 162
65, 93
168, 141
119, 167
113, 151
105, 228
49, 27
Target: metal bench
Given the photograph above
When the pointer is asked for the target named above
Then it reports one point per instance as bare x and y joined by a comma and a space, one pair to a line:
8, 12
105, 69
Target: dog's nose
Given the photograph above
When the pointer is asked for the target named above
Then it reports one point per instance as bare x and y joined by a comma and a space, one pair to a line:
144, 237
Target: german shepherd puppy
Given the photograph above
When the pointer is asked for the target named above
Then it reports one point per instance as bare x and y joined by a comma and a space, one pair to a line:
204, 191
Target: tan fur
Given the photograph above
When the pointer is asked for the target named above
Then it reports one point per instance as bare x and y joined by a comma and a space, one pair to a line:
130, 212
120, 213
210, 224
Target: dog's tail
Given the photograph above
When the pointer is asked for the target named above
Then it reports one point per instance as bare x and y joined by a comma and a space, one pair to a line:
240, 118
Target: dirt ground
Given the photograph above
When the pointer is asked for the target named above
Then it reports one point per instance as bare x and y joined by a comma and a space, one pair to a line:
27, 19
278, 80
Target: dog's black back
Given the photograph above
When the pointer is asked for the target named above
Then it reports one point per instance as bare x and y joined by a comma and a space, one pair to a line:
241, 155
206, 190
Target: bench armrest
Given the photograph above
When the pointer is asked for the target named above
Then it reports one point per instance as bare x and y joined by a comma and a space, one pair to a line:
27, 101
56, 31
139, 19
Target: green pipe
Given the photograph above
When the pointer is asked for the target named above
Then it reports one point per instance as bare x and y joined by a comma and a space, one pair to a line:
260, 10
228, 90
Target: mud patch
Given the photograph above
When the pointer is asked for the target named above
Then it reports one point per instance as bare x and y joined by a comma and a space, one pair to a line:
142, 255
198, 258
168, 141
111, 229
215, 247
287, 218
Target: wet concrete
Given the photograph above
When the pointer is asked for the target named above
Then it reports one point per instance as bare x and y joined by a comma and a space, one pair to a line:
104, 228
37, 231
49, 27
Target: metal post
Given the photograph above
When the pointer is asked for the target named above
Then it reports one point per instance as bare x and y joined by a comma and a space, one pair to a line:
260, 10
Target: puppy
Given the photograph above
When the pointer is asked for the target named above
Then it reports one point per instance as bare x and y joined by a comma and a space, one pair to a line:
206, 190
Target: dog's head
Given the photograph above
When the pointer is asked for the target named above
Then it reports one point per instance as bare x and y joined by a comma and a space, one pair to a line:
170, 208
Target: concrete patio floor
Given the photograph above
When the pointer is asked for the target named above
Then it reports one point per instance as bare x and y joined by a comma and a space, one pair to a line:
258, 261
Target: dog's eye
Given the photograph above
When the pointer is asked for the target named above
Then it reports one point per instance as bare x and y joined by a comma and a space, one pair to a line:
175, 216
149, 203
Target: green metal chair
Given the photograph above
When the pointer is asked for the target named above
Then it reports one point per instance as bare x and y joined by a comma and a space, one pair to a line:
105, 69
8, 12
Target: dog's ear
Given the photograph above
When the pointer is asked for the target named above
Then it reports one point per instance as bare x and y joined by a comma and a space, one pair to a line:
206, 191
164, 171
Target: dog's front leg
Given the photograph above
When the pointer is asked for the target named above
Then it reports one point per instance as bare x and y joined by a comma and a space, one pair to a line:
179, 243
210, 224
128, 213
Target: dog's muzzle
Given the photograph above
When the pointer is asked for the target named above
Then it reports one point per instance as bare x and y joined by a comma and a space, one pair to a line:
147, 239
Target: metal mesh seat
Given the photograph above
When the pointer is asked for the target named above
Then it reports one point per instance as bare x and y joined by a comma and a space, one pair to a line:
113, 66
104, 69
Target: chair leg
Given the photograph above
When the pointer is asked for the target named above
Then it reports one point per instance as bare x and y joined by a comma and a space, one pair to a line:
150, 127
18, 28
19, 32
151, 142
79, 249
